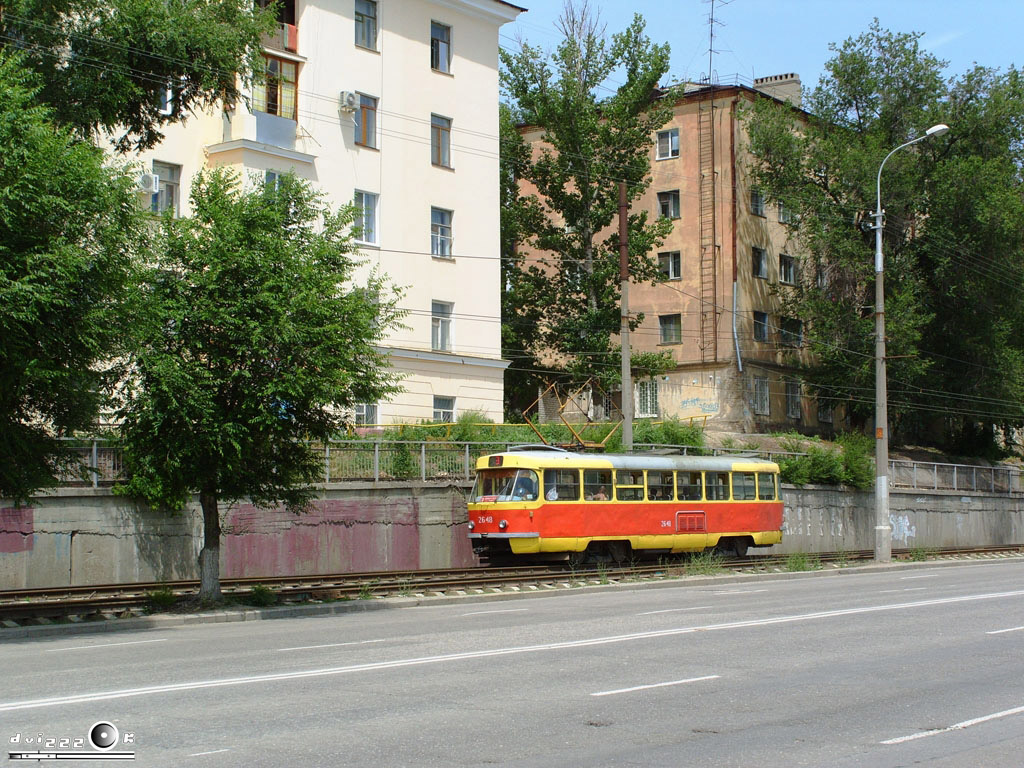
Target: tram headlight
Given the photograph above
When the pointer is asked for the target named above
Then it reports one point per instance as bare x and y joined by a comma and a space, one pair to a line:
471, 525
503, 524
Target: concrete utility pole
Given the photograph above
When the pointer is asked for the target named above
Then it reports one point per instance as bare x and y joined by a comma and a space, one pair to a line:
883, 529
627, 377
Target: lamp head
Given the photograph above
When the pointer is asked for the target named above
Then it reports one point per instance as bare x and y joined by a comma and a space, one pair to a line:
937, 130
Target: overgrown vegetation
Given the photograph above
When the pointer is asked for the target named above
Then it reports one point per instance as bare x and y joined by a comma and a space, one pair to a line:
161, 599
261, 595
802, 561
706, 563
848, 464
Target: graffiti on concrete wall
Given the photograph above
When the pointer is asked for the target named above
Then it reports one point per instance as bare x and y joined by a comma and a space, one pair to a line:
17, 529
902, 530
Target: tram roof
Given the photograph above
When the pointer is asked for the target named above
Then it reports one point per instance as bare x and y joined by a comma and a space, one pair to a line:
567, 459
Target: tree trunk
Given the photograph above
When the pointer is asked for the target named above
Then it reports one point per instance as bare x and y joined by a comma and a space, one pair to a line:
209, 557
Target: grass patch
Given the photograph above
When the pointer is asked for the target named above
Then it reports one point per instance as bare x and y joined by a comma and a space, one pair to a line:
706, 563
161, 599
802, 561
261, 596
920, 554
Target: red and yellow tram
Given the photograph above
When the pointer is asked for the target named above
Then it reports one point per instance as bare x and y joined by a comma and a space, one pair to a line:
538, 501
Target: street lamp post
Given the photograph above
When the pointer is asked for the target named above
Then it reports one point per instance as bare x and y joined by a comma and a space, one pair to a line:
883, 530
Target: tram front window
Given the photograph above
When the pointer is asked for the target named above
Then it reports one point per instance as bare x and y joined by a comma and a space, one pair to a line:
505, 485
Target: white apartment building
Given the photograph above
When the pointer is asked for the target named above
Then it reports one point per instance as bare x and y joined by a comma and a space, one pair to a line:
392, 104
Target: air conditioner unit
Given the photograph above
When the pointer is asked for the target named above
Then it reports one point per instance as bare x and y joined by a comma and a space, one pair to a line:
348, 101
149, 183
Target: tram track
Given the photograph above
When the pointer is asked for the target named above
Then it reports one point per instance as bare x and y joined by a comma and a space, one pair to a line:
76, 604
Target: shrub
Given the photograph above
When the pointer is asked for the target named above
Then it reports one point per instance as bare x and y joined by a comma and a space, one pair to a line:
261, 595
161, 599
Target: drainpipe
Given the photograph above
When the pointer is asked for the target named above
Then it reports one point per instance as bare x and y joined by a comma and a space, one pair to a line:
735, 270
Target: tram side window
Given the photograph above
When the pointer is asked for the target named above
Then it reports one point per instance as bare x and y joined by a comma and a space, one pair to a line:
597, 484
743, 486
562, 484
688, 486
717, 486
629, 485
766, 486
659, 486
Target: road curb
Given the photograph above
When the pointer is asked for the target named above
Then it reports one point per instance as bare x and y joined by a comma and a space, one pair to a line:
307, 610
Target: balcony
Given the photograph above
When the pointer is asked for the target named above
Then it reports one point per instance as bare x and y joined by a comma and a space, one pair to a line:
284, 38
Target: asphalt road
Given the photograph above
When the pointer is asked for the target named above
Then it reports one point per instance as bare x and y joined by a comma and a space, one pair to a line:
904, 667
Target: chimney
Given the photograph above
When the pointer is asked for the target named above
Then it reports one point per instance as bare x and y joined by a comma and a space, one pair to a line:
783, 87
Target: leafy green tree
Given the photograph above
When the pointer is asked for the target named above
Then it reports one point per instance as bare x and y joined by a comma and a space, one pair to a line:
68, 226
252, 341
106, 65
561, 309
952, 237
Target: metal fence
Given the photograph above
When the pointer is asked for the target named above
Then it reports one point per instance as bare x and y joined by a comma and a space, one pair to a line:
383, 460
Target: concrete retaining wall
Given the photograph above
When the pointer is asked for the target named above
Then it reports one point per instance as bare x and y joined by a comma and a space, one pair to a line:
84, 536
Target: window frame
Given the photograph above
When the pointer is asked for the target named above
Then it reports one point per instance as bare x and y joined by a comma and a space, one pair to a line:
760, 326
757, 202
826, 412
359, 199
366, 129
669, 134
362, 23
787, 269
170, 187
436, 44
762, 396
441, 325
445, 415
759, 262
365, 414
645, 401
671, 264
441, 244
791, 332
261, 101
440, 141
670, 333
669, 198
794, 400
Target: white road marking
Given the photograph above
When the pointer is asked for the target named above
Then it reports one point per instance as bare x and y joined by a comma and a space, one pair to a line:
914, 589
330, 645
656, 685
920, 576
674, 610
956, 727
214, 752
483, 654
739, 591
1000, 631
104, 645
509, 610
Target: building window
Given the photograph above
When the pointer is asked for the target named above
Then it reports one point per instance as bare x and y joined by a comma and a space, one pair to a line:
365, 413
762, 401
444, 409
668, 144
760, 326
756, 202
785, 214
671, 329
440, 47
787, 269
759, 259
668, 204
271, 180
824, 412
440, 141
791, 332
166, 199
441, 326
366, 121
441, 233
647, 399
366, 217
793, 409
366, 24
276, 94
670, 265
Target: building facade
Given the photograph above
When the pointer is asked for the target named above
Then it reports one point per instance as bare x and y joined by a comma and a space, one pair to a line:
728, 263
392, 104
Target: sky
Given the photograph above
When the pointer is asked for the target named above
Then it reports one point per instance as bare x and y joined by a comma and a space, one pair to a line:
756, 38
